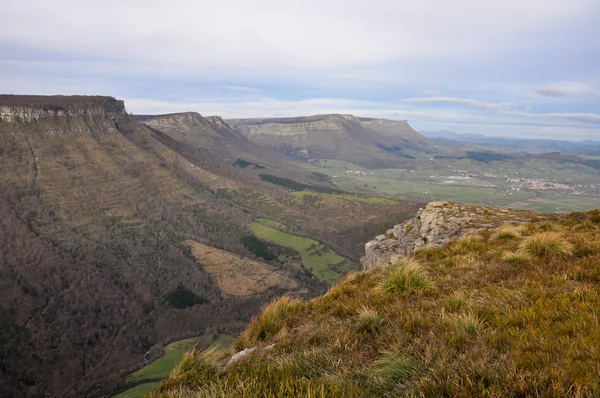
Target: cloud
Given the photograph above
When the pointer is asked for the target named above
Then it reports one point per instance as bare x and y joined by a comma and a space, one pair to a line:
459, 101
575, 117
569, 89
241, 88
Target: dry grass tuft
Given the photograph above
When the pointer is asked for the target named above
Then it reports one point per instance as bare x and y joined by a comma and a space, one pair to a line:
545, 245
464, 322
513, 257
406, 274
394, 367
269, 323
506, 232
368, 321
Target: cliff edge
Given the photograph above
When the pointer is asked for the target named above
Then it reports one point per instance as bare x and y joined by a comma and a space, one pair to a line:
28, 108
435, 225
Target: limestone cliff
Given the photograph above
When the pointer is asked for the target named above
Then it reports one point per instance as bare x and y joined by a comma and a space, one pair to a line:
372, 143
436, 225
29, 108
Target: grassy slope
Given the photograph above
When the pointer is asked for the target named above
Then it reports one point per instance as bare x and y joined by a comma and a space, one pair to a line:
506, 313
162, 367
317, 262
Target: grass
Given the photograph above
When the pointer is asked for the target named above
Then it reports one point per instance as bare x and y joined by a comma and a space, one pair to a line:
315, 256
357, 198
270, 322
270, 223
394, 367
484, 326
545, 245
142, 390
406, 274
161, 367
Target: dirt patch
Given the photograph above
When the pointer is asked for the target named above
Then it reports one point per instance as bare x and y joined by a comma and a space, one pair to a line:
236, 275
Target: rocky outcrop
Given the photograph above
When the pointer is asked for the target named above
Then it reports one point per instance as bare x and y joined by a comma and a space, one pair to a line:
30, 108
436, 225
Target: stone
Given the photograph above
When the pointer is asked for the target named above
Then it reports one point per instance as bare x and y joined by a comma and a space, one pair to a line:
434, 226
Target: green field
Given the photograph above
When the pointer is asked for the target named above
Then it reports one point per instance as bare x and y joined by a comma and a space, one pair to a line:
270, 223
138, 391
162, 367
315, 256
358, 198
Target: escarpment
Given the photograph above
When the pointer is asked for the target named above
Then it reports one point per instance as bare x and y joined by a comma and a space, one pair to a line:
29, 108
434, 226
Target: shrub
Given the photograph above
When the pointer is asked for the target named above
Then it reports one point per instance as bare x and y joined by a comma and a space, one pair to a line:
272, 319
545, 245
405, 275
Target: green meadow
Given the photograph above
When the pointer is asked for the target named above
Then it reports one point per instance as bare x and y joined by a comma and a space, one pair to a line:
315, 255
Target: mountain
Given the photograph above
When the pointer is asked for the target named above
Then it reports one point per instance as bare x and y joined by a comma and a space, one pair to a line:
117, 238
489, 302
94, 267
510, 144
373, 143
214, 138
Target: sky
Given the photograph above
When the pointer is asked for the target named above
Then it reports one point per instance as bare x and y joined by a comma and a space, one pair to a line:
523, 68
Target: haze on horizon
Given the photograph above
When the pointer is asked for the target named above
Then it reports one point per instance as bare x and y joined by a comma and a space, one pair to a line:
524, 68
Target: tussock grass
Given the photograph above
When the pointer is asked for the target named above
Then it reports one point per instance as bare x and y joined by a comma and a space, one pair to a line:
497, 324
274, 317
368, 321
506, 232
394, 367
545, 245
407, 274
511, 256
464, 322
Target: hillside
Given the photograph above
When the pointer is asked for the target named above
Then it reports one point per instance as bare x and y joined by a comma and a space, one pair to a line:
373, 143
214, 138
102, 218
504, 305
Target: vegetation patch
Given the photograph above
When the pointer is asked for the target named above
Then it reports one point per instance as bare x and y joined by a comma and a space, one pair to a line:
406, 274
182, 298
239, 276
545, 245
297, 186
242, 164
315, 256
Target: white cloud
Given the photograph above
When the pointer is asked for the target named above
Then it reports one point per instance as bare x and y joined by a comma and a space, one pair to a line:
270, 33
575, 117
459, 101
241, 88
569, 89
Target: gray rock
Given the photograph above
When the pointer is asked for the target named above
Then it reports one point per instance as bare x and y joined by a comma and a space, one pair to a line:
434, 226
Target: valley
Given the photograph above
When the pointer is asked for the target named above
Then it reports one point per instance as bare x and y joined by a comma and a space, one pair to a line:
125, 233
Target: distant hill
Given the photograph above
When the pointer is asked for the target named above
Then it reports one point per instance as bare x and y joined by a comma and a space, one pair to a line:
213, 137
373, 143
510, 144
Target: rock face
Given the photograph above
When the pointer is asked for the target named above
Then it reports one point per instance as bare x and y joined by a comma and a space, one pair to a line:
436, 225
373, 143
29, 108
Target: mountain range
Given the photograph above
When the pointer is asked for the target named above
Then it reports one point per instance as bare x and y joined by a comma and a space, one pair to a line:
116, 232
